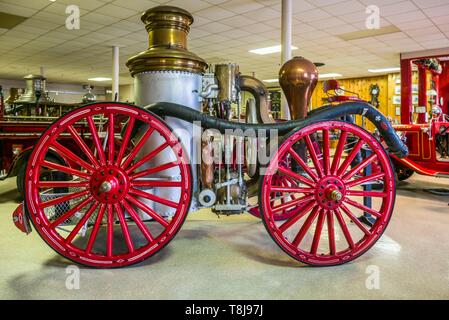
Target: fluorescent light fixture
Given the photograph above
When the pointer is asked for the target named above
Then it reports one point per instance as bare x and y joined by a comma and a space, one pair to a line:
270, 80
329, 75
99, 79
384, 70
269, 50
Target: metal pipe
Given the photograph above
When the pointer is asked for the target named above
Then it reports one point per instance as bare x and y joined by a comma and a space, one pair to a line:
286, 47
115, 73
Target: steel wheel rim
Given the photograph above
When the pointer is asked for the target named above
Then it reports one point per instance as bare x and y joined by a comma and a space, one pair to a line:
319, 215
122, 200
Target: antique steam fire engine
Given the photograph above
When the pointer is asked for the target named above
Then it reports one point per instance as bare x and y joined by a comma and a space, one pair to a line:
135, 172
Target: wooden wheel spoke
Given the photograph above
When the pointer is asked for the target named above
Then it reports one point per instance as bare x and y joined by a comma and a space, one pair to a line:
326, 152
82, 222
131, 156
55, 166
148, 157
96, 139
362, 193
345, 229
153, 197
138, 221
63, 198
147, 210
359, 167
372, 177
73, 157
355, 220
125, 142
94, 232
83, 146
339, 152
70, 213
124, 226
111, 138
150, 171
351, 157
331, 232
289, 204
303, 164
156, 183
314, 156
62, 184
110, 230
296, 176
317, 234
363, 207
305, 227
283, 189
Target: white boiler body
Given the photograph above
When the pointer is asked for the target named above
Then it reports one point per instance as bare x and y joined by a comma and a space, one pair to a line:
177, 87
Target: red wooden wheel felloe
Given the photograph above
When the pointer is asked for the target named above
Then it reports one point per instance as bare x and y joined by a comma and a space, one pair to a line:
104, 211
328, 193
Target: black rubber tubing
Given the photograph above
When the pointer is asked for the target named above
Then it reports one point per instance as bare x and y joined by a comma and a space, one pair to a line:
327, 112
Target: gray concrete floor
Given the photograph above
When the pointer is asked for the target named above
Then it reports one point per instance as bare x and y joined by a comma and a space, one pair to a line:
234, 258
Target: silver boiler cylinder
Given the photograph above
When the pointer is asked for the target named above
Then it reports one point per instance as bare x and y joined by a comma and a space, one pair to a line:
168, 72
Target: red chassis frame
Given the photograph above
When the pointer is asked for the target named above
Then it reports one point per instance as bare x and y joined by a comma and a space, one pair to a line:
421, 136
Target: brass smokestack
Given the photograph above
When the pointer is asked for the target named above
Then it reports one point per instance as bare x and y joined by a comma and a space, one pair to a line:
298, 78
167, 29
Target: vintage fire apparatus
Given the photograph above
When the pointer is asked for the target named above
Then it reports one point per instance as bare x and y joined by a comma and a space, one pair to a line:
134, 172
424, 132
23, 117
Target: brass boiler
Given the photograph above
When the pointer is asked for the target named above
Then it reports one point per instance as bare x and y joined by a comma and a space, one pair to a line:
168, 71
298, 78
35, 87
14, 94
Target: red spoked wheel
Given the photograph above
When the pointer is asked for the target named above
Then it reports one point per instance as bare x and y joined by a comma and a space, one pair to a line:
108, 211
331, 186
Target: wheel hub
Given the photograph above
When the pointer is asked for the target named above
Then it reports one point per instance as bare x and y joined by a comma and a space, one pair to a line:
329, 192
109, 184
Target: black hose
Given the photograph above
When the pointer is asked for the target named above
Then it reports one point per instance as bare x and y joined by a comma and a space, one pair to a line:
396, 146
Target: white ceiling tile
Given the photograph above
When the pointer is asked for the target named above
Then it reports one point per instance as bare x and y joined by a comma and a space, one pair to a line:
83, 4
116, 11
408, 16
138, 5
98, 18
241, 6
215, 13
18, 10
190, 6
344, 7
238, 21
423, 4
263, 14
215, 27
396, 8
312, 15
437, 11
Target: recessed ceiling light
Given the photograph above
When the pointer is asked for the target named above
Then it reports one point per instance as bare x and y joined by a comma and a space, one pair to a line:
52, 0
270, 80
99, 79
269, 50
384, 70
330, 75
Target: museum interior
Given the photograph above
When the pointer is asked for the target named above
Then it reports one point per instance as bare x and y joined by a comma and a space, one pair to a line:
296, 149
